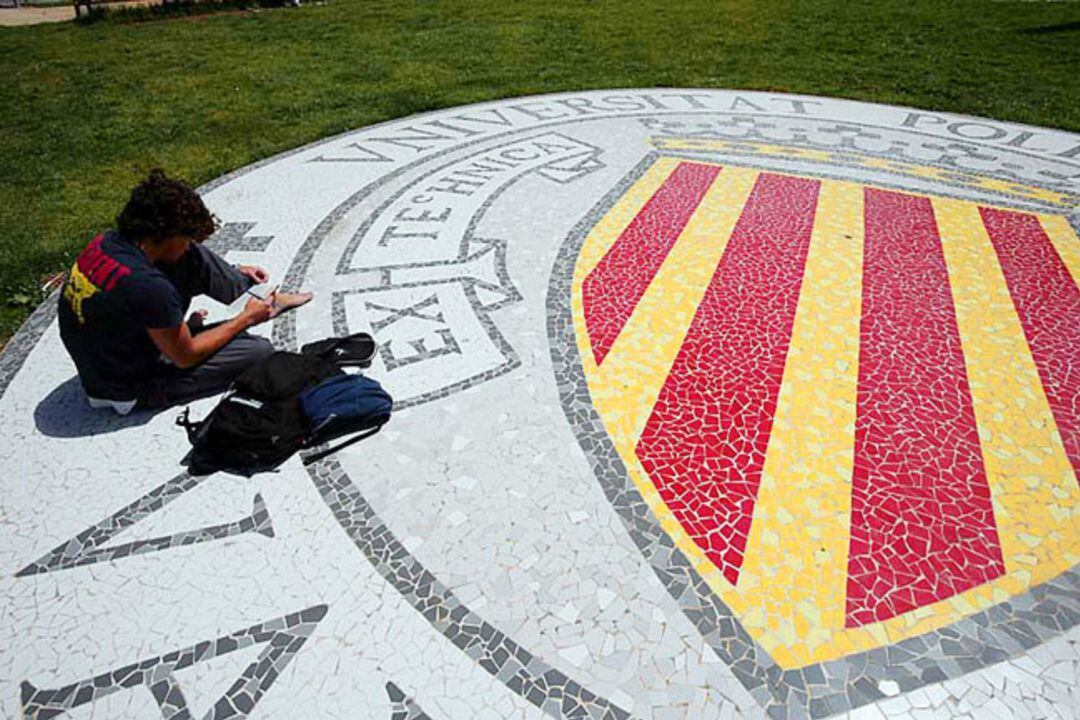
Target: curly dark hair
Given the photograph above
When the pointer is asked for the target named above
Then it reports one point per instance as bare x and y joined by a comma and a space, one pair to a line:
161, 207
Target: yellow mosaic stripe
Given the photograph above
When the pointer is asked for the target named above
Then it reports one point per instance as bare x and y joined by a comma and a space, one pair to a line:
1065, 241
1035, 495
801, 527
625, 388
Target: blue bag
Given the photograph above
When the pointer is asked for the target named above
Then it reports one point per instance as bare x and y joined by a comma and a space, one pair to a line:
343, 405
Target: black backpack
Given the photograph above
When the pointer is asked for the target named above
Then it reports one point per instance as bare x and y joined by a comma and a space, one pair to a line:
260, 422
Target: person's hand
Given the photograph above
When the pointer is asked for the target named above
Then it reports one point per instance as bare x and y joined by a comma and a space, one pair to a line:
196, 319
257, 274
257, 311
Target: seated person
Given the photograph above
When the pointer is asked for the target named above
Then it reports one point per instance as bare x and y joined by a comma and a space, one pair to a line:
123, 304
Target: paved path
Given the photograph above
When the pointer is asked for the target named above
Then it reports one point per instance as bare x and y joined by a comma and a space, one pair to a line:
709, 405
25, 15
35, 15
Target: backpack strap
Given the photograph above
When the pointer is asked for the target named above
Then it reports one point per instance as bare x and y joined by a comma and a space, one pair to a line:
192, 428
308, 460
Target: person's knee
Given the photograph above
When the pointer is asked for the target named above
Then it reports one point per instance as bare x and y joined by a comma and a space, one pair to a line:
240, 353
259, 349
212, 376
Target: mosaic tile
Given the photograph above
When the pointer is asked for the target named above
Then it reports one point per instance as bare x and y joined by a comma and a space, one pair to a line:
404, 707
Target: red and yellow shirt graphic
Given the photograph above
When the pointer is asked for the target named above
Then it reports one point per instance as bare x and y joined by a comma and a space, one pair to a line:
112, 295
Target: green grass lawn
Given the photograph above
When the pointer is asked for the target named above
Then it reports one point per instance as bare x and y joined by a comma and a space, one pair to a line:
87, 109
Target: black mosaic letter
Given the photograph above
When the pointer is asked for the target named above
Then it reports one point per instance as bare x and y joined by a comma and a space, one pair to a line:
283, 637
85, 548
448, 344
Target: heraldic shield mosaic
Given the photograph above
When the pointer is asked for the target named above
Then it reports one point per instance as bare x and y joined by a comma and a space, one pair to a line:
708, 404
863, 391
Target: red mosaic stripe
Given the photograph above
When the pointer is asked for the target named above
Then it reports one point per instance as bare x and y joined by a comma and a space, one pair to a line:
704, 443
922, 522
1048, 303
614, 287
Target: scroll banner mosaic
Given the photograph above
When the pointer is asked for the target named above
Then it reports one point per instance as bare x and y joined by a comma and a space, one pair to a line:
709, 404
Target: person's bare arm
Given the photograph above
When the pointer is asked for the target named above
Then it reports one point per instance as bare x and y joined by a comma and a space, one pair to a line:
186, 350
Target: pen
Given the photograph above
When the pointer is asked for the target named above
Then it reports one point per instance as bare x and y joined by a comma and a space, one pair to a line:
261, 297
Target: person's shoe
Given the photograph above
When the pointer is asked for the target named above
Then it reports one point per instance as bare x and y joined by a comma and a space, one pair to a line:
284, 302
357, 350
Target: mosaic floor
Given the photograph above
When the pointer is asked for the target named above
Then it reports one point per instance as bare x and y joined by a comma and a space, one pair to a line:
709, 405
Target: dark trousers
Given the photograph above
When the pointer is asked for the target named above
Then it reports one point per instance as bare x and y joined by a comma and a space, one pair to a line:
202, 272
